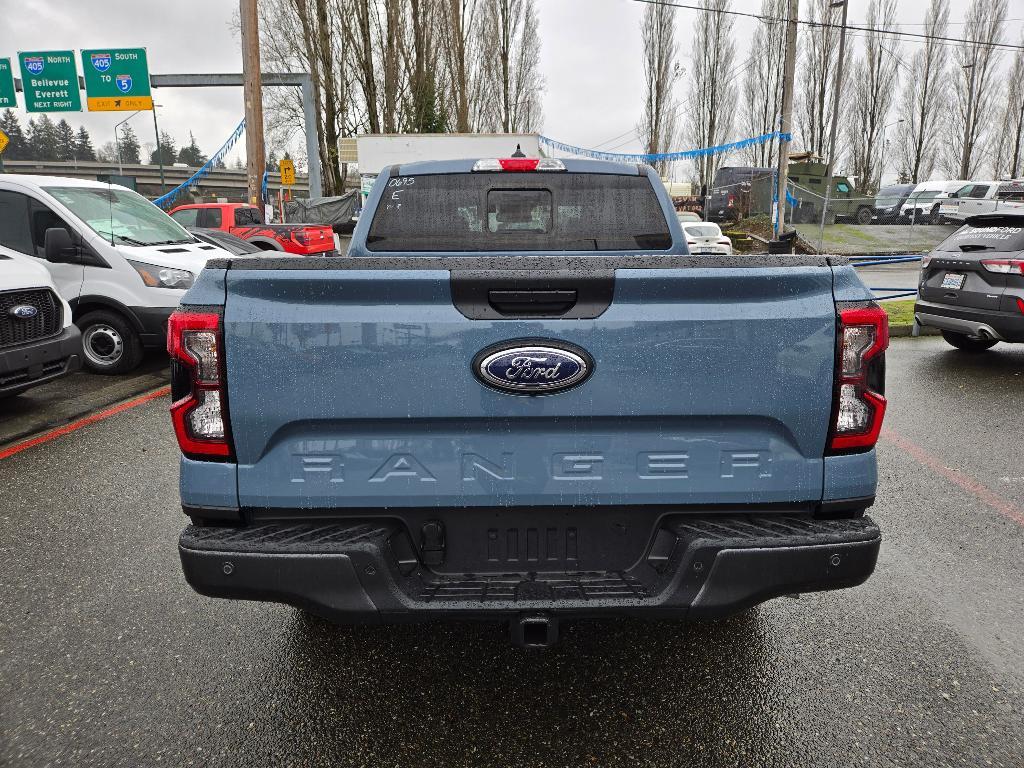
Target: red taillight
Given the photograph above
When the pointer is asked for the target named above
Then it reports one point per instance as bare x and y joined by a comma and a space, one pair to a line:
732, 201
1020, 305
859, 405
1004, 266
199, 411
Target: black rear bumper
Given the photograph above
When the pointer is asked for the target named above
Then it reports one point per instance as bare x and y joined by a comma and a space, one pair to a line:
994, 324
369, 571
37, 362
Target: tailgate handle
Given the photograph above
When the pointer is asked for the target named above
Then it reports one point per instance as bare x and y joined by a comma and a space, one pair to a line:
556, 302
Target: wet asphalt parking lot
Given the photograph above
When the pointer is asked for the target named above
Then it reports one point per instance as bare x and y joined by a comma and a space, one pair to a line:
108, 658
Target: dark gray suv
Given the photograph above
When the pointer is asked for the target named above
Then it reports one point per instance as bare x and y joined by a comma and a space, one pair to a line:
972, 283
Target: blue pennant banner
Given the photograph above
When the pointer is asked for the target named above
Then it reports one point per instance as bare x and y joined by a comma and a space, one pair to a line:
218, 156
686, 154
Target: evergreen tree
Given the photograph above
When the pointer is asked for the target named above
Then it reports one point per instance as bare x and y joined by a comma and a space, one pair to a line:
191, 155
239, 164
64, 144
83, 145
18, 149
165, 152
272, 162
42, 138
129, 147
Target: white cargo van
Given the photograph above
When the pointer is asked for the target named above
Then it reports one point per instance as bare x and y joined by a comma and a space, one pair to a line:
121, 263
922, 206
37, 339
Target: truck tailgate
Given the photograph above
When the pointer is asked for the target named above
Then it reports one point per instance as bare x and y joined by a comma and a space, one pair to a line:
354, 388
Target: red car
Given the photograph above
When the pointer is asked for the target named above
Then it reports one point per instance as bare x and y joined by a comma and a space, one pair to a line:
246, 221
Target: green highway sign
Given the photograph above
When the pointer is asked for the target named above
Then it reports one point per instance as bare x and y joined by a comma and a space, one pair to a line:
7, 99
49, 80
116, 79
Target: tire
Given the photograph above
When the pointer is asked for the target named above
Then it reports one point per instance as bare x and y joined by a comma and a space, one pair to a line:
966, 343
863, 215
109, 342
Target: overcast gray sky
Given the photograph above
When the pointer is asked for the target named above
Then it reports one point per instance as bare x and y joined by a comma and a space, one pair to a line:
591, 58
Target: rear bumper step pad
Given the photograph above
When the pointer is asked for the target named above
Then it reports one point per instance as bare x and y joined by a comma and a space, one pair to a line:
365, 571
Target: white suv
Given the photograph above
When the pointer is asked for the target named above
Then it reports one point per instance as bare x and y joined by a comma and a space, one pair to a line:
121, 263
37, 339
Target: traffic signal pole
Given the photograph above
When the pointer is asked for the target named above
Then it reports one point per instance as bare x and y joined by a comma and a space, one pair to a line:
255, 158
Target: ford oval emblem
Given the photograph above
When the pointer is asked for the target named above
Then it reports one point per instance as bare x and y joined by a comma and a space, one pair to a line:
533, 368
23, 311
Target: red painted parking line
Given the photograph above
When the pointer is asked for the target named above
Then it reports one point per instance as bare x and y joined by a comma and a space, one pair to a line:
92, 418
986, 495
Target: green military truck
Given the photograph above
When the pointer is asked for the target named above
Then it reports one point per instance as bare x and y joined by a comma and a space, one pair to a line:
807, 186
806, 196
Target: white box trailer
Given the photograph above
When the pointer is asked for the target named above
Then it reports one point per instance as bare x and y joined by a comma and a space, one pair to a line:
375, 152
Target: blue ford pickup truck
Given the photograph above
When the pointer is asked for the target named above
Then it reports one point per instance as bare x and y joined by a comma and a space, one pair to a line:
519, 398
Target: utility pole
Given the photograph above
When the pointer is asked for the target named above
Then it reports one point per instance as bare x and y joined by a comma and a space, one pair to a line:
965, 158
255, 159
837, 89
785, 126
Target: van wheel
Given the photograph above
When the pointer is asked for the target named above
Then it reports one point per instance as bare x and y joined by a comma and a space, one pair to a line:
968, 343
110, 344
863, 215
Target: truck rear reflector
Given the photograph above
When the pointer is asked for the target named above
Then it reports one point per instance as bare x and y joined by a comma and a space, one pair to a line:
199, 407
858, 402
519, 164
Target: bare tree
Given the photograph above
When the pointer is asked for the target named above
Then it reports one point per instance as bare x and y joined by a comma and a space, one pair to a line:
1014, 119
321, 53
762, 86
922, 107
1005, 144
974, 75
657, 128
712, 100
872, 93
817, 77
374, 33
305, 40
359, 32
511, 40
420, 55
461, 51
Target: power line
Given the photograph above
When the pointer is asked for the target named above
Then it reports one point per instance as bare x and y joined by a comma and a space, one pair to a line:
829, 25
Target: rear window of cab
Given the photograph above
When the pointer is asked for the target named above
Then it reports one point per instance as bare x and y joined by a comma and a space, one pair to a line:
536, 211
1000, 237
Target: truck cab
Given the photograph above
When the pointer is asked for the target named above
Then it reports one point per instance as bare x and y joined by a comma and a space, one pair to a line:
980, 197
520, 398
